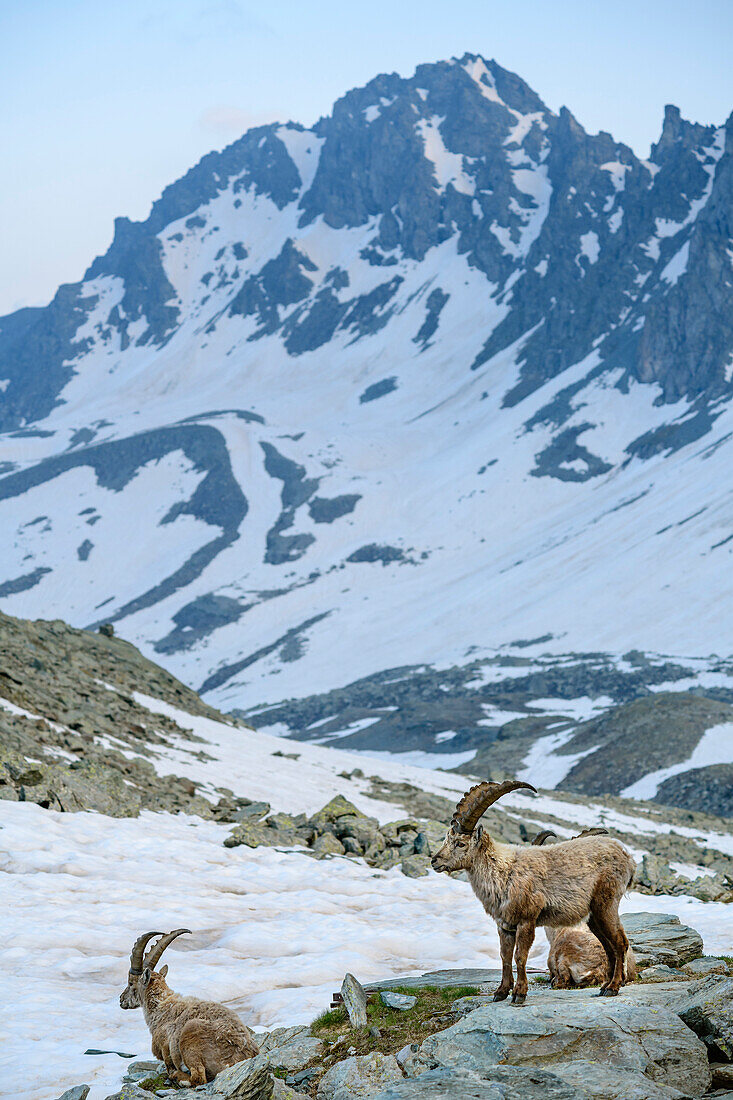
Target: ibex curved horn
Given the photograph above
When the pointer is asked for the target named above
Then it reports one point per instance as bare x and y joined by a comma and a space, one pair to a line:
136, 955
153, 955
591, 832
542, 837
476, 802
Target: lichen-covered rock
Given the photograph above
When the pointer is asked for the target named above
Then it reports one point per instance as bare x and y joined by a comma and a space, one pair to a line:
338, 807
662, 973
327, 845
355, 1001
709, 1012
415, 866
291, 1047
661, 938
359, 1077
496, 1083
79, 1092
706, 964
642, 1039
400, 1001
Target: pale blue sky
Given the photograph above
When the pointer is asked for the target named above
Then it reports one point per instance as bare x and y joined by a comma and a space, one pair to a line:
107, 101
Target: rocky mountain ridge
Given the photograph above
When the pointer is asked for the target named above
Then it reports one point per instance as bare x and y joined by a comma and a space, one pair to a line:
443, 379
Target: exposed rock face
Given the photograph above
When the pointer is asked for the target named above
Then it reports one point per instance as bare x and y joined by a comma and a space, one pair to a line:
639, 737
642, 1041
709, 1012
360, 1077
291, 1047
497, 1082
661, 938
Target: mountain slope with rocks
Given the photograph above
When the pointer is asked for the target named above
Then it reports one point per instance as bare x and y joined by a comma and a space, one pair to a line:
440, 384
128, 803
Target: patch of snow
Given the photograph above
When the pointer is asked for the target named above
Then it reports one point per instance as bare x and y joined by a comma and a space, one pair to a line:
677, 266
614, 222
447, 166
714, 747
487, 85
541, 268
541, 766
590, 246
617, 171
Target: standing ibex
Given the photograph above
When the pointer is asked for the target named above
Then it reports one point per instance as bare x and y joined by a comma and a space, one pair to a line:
204, 1036
576, 956
521, 887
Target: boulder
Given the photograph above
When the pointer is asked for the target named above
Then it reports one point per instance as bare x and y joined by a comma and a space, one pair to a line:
397, 1000
722, 1075
706, 964
327, 845
131, 1091
79, 1092
142, 1069
362, 1076
415, 866
661, 938
497, 1083
330, 813
355, 1001
291, 1047
708, 1010
662, 973
282, 1091
251, 834
363, 829
248, 1080
645, 1040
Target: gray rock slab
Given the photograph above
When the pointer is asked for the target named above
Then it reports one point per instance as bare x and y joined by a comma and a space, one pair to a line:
133, 1092
361, 1076
441, 979
140, 1070
639, 1038
660, 972
79, 1092
397, 1000
498, 1083
661, 938
706, 964
708, 1010
248, 1080
355, 1000
281, 1091
610, 1082
291, 1047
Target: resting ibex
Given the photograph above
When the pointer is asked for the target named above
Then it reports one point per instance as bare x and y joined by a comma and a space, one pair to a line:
521, 887
576, 956
204, 1036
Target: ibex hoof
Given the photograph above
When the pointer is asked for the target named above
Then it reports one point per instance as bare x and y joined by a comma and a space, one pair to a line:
518, 999
501, 995
608, 993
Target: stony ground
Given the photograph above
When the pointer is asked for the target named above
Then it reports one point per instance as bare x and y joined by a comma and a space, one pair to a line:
666, 1037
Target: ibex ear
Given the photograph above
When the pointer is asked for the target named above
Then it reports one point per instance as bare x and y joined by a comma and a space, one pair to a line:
478, 832
145, 979
163, 970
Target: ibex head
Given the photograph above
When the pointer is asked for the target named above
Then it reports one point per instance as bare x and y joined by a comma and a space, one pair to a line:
464, 834
142, 969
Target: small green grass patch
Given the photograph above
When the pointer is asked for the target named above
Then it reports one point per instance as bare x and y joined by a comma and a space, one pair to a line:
431, 1013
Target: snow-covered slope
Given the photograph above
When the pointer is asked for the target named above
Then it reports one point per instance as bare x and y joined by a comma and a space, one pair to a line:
273, 930
443, 375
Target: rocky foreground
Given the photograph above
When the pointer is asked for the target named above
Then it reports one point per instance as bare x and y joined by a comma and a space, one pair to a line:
666, 1037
